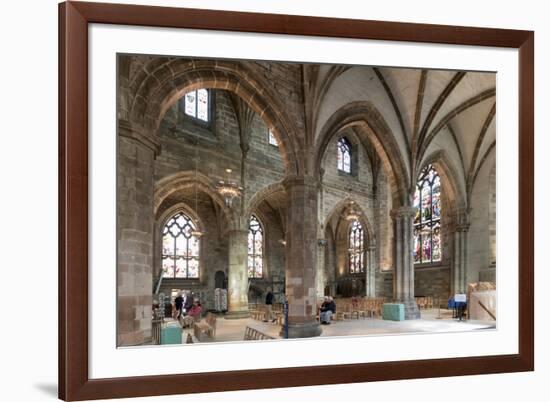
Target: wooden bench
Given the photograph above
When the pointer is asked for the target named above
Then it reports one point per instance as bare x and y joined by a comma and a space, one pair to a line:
206, 327
251, 334
258, 315
187, 321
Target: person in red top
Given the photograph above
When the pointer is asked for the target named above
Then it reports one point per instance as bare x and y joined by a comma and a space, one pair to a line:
196, 310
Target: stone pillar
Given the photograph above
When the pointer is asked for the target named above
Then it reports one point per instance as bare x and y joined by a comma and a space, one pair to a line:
403, 278
459, 281
135, 234
301, 256
370, 289
321, 276
238, 275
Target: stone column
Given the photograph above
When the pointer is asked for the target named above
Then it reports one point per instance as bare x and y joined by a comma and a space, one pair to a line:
458, 283
301, 256
238, 274
135, 234
403, 278
321, 277
321, 241
370, 289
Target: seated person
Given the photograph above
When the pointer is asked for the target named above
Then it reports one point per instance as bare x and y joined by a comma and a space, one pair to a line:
328, 308
196, 310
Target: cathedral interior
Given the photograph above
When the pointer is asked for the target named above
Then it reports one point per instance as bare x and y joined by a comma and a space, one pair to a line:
372, 185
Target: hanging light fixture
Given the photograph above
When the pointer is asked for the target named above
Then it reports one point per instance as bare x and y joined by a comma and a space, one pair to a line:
353, 213
196, 233
229, 189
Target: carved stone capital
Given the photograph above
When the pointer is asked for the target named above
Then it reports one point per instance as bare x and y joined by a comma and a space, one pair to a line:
403, 212
462, 217
462, 227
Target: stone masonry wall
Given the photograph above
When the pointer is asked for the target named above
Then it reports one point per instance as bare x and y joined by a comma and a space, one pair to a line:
135, 238
434, 282
479, 254
219, 148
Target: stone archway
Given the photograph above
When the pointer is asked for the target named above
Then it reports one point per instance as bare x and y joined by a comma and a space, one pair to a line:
261, 196
455, 226
341, 206
165, 80
449, 179
339, 228
189, 180
220, 281
372, 129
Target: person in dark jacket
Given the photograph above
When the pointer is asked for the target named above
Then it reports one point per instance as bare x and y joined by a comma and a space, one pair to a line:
328, 308
269, 306
179, 304
188, 304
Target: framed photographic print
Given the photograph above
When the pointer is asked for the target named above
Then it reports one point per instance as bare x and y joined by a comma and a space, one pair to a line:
260, 200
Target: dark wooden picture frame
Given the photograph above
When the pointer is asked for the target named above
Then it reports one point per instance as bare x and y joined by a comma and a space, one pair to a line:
74, 382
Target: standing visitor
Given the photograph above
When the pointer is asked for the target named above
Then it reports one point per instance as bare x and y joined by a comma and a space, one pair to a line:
188, 302
269, 306
179, 304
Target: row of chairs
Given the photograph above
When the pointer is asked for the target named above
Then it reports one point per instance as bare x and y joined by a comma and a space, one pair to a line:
260, 314
425, 302
252, 334
357, 307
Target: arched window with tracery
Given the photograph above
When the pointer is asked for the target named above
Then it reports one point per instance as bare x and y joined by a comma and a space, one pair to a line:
180, 248
255, 248
427, 222
344, 155
356, 248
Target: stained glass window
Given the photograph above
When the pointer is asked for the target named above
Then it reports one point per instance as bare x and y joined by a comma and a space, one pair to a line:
180, 249
344, 155
255, 248
196, 104
356, 248
427, 222
271, 138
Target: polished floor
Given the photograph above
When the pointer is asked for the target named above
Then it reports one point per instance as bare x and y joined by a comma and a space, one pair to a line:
431, 321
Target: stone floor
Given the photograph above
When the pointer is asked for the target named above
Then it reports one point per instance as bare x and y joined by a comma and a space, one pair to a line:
233, 330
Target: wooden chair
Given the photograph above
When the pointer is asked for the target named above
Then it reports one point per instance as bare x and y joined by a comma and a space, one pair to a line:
358, 311
252, 334
187, 321
363, 311
347, 311
430, 302
280, 317
206, 327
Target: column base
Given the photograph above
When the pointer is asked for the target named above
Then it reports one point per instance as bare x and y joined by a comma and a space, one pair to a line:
411, 309
307, 330
233, 315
